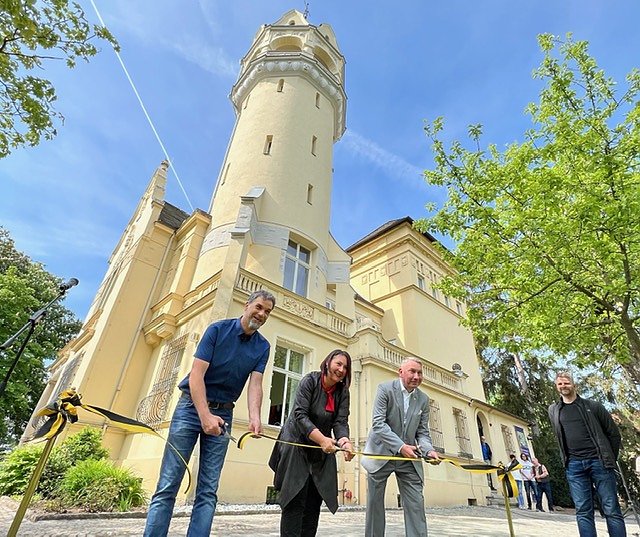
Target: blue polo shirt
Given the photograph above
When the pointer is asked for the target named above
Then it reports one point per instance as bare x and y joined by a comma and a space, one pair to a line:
232, 357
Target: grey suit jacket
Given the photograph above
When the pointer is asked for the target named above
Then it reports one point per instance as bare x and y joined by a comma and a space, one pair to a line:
390, 430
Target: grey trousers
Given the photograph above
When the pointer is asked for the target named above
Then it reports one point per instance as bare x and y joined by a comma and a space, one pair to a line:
410, 485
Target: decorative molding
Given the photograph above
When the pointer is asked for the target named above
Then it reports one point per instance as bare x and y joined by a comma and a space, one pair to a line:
274, 64
292, 305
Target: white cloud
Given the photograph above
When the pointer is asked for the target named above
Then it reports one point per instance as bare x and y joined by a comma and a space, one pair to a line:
391, 164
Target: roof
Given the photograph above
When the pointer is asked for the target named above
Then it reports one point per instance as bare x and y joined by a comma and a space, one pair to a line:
388, 226
172, 216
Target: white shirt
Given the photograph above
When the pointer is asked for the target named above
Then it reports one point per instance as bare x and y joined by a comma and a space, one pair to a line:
406, 396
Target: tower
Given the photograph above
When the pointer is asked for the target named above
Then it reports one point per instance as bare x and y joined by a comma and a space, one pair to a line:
274, 189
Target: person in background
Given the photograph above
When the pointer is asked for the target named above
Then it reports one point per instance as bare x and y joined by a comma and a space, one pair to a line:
517, 475
526, 473
487, 455
306, 476
543, 484
589, 443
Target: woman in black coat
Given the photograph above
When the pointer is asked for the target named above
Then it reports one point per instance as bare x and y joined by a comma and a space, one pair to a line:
306, 476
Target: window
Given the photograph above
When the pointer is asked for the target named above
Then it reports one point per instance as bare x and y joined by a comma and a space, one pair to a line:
317, 100
280, 85
330, 304
267, 144
314, 143
434, 292
153, 408
459, 308
447, 301
421, 283
507, 436
435, 426
310, 194
226, 172
288, 368
296, 268
462, 433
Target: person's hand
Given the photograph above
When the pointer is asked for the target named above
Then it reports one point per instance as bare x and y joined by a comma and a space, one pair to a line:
212, 424
434, 455
409, 452
327, 445
255, 425
345, 445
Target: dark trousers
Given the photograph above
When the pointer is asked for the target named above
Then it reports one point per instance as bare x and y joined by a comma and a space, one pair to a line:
544, 487
300, 516
530, 490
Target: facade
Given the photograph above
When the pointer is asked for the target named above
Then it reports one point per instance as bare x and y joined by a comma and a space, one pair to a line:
174, 273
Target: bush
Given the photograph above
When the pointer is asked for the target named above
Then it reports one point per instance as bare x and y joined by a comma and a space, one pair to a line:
97, 485
16, 468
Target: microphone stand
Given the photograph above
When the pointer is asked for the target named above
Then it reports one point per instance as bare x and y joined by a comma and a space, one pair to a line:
31, 326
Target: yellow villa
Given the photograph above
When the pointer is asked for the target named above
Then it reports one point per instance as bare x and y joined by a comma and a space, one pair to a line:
174, 273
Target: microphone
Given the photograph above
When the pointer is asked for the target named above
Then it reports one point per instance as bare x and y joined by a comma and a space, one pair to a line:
69, 284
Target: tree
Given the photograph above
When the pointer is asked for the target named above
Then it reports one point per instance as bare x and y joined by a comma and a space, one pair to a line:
25, 286
548, 230
32, 31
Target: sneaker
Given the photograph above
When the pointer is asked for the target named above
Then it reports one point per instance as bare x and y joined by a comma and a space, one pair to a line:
540, 510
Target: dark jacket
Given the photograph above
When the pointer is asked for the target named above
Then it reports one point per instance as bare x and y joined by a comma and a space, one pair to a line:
602, 429
293, 465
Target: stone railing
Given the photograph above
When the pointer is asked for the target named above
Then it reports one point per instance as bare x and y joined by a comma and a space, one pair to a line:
371, 345
296, 304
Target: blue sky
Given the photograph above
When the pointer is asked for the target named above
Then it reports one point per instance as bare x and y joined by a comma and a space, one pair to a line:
67, 201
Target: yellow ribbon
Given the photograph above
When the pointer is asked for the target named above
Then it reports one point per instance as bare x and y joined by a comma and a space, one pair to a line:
65, 409
504, 472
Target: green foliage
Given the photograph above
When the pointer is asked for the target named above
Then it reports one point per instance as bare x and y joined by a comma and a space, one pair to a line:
16, 468
30, 32
100, 486
548, 230
25, 286
85, 445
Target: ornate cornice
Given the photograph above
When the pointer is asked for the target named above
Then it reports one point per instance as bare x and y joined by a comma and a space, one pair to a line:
272, 64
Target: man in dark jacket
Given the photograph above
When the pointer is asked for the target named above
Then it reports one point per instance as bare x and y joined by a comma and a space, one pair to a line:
589, 442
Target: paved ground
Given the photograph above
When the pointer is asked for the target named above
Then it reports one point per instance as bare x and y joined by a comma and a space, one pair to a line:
443, 522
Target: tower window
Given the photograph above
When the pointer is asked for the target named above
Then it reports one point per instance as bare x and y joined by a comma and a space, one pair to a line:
267, 144
317, 100
314, 143
296, 268
280, 85
226, 172
310, 194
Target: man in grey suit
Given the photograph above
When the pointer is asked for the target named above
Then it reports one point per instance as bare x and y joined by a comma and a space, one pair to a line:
400, 428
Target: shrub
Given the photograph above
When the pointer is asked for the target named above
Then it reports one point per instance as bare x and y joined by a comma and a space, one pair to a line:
97, 485
16, 468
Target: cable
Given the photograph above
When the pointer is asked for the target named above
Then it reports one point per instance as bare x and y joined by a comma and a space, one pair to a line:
153, 128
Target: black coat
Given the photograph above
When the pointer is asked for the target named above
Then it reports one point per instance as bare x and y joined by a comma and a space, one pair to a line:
293, 465
602, 429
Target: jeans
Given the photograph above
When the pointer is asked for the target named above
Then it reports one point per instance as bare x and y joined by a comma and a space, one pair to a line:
530, 490
184, 432
583, 475
520, 493
543, 487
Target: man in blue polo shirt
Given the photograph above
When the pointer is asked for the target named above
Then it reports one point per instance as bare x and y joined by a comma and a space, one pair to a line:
230, 352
